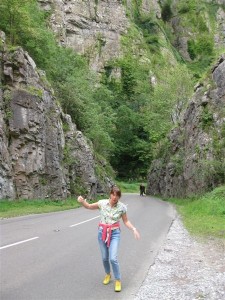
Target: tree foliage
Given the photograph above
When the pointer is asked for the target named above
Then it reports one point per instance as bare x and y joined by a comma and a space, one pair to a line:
169, 100
14, 18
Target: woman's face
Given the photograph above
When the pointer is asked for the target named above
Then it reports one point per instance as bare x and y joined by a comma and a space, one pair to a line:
114, 198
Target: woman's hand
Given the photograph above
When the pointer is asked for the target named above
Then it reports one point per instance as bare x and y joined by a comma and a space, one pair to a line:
130, 226
87, 205
80, 199
136, 234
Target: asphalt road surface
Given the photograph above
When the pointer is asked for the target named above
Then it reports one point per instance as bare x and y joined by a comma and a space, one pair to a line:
55, 256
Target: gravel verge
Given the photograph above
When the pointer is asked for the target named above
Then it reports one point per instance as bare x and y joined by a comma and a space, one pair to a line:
186, 268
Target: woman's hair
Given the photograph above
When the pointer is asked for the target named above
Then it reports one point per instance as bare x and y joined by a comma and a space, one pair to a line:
115, 190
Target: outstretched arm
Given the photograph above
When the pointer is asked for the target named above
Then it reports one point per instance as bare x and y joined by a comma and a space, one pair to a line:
130, 226
86, 204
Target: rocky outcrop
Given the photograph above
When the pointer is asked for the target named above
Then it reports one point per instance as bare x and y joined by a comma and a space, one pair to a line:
92, 28
220, 31
37, 158
196, 161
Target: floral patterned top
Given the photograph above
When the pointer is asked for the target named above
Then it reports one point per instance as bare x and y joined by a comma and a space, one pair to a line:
111, 215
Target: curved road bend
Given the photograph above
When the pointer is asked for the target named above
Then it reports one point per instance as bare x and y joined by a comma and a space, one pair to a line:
55, 256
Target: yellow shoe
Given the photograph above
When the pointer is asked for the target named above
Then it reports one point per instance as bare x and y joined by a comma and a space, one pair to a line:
118, 286
107, 279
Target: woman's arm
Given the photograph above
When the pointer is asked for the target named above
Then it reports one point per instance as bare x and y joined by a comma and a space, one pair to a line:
86, 204
130, 226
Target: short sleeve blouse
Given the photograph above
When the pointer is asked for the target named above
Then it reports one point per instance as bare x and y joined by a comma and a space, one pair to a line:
108, 214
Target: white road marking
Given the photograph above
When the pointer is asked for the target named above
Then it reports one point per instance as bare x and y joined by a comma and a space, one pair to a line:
21, 242
84, 221
36, 237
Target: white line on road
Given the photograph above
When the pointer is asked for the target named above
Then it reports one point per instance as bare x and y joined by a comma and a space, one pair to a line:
36, 237
21, 242
84, 221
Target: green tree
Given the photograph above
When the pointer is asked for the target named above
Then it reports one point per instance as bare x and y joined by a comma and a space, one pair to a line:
25, 25
14, 18
169, 99
132, 148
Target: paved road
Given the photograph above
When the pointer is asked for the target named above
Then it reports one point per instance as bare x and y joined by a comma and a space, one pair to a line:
56, 257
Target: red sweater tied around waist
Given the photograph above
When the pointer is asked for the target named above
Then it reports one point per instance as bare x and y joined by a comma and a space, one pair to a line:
107, 231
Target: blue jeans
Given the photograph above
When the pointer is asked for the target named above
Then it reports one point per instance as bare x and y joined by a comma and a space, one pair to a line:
109, 254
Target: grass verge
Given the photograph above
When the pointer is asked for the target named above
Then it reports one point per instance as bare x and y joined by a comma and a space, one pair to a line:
129, 187
204, 215
15, 208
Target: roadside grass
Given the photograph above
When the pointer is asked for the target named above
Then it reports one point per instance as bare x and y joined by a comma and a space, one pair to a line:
128, 187
203, 215
15, 208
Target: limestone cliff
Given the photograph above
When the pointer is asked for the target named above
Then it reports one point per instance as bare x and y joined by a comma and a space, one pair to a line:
38, 157
93, 28
195, 159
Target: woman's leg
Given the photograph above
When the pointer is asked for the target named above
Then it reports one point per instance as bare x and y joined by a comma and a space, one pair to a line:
113, 253
104, 251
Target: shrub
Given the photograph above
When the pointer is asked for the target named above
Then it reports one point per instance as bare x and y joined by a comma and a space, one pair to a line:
206, 118
166, 12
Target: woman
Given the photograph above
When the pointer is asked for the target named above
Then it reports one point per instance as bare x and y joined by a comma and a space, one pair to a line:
111, 210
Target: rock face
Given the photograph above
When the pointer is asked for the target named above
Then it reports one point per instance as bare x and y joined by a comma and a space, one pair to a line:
37, 158
92, 28
220, 32
196, 161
